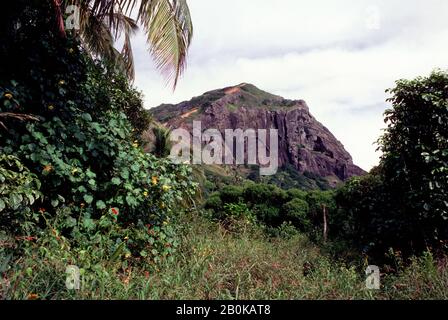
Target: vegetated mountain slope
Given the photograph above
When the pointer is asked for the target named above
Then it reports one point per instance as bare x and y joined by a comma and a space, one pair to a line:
305, 145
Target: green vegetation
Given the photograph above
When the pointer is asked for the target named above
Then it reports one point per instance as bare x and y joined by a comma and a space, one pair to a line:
273, 208
76, 188
231, 107
286, 178
20, 188
75, 181
403, 203
214, 262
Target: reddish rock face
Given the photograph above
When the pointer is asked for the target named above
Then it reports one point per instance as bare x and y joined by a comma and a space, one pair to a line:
303, 141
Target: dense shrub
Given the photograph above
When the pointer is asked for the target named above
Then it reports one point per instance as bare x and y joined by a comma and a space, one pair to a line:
297, 194
415, 156
273, 207
19, 189
264, 193
267, 214
289, 177
238, 211
89, 159
231, 194
404, 202
213, 202
118, 97
98, 187
365, 214
296, 211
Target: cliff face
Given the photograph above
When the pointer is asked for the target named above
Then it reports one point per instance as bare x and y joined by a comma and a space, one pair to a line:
304, 142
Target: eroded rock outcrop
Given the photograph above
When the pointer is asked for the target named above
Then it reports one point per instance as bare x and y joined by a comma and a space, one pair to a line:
303, 141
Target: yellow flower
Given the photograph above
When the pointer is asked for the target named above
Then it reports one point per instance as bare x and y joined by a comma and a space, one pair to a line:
145, 193
154, 180
50, 107
8, 96
166, 188
127, 255
165, 223
162, 206
135, 145
74, 170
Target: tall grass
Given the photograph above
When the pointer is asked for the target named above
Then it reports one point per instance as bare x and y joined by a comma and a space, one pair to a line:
217, 262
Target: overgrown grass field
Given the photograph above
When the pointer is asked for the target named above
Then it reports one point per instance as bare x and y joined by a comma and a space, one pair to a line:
233, 262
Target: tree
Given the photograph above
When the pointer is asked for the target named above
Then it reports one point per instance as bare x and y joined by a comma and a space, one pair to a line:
167, 24
415, 155
162, 143
403, 203
297, 212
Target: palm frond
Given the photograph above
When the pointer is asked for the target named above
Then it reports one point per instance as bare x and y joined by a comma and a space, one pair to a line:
162, 142
96, 36
126, 26
169, 32
167, 24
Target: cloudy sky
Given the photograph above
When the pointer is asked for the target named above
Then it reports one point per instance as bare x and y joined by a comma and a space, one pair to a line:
339, 56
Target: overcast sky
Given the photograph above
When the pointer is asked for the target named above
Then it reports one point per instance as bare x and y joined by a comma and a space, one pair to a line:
339, 56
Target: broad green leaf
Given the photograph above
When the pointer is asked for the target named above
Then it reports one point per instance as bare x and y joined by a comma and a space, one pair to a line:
116, 181
87, 116
100, 204
88, 199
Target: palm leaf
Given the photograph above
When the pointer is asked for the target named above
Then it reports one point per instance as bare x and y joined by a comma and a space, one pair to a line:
126, 26
169, 32
162, 142
96, 36
167, 24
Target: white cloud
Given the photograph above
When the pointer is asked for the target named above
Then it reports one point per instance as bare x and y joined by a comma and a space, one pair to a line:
326, 52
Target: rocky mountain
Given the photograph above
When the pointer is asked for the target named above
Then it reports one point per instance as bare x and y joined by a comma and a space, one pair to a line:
304, 143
